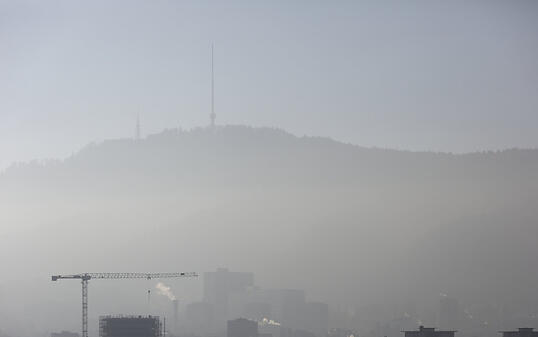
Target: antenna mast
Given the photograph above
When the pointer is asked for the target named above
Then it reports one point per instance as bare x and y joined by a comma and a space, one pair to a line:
212, 115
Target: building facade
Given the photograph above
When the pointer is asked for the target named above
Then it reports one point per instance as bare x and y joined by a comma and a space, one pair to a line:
130, 326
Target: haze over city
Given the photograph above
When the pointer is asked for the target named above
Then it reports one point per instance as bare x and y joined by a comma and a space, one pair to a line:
268, 169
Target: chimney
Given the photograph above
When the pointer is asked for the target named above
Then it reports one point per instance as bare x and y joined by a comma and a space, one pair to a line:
176, 316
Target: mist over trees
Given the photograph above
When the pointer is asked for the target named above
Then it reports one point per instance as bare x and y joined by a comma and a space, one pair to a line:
355, 227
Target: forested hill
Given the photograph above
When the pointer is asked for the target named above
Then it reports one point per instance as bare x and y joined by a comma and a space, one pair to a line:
239, 154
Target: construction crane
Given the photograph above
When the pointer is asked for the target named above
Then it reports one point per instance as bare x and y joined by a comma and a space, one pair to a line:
88, 276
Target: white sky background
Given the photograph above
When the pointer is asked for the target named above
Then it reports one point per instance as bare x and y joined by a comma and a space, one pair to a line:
424, 75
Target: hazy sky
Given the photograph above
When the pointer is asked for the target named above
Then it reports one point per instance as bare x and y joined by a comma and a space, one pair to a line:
425, 75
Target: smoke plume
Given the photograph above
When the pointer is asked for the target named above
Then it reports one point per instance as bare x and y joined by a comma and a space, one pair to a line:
163, 289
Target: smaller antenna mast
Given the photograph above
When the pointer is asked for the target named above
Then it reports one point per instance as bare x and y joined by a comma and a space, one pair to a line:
137, 132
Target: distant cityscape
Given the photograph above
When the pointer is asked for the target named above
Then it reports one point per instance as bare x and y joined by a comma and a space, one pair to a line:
234, 306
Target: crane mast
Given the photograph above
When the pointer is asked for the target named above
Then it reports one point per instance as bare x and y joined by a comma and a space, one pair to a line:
85, 277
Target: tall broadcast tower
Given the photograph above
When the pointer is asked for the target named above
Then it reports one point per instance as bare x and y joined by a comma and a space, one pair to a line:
212, 115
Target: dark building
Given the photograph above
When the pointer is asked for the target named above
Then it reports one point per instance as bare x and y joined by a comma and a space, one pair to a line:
429, 332
521, 332
129, 326
242, 327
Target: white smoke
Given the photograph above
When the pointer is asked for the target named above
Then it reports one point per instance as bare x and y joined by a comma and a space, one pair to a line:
266, 322
163, 289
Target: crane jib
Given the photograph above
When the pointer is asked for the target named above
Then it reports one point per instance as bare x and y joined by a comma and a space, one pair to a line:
111, 276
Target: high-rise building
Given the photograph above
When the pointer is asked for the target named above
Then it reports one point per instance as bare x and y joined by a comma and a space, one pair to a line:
242, 327
130, 326
218, 286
